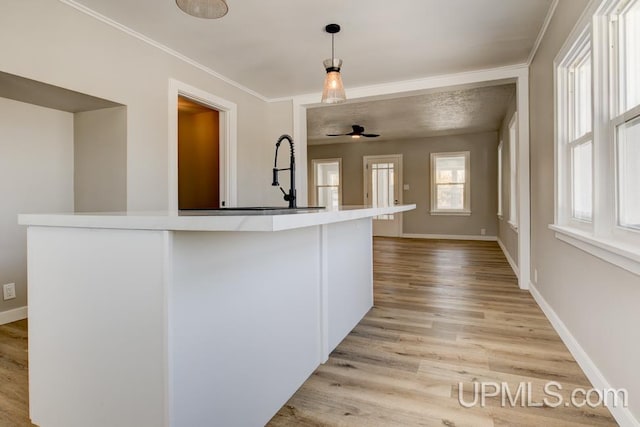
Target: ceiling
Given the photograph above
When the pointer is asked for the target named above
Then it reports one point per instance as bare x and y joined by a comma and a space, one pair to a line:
479, 109
276, 47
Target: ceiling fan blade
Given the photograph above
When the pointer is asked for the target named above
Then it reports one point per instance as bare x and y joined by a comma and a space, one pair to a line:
357, 132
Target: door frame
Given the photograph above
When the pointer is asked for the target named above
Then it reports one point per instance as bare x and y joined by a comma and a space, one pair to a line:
518, 74
366, 178
228, 119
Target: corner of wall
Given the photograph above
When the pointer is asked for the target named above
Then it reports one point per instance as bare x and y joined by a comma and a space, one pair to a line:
510, 260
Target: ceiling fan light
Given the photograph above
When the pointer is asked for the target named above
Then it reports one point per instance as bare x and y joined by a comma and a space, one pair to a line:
333, 90
208, 9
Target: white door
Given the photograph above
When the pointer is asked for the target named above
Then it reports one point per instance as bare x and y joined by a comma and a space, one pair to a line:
383, 183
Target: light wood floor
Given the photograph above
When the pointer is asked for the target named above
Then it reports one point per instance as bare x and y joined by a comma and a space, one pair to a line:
14, 387
445, 312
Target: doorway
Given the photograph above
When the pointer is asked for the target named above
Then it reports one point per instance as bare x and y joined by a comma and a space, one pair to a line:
383, 184
228, 137
198, 155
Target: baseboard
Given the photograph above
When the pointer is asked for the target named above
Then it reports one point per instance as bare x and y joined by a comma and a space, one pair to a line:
510, 260
623, 416
449, 237
13, 315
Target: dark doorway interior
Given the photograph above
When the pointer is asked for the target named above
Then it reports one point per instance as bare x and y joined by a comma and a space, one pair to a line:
198, 155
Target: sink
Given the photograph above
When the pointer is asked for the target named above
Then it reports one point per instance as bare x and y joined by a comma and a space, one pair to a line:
251, 210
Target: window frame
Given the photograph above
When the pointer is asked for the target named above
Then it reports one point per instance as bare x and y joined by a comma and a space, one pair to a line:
466, 210
569, 140
603, 237
314, 193
620, 113
631, 235
513, 172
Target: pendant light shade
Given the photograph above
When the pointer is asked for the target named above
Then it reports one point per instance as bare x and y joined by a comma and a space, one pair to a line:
208, 9
333, 90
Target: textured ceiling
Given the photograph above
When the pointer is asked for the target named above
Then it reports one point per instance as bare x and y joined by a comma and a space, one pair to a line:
276, 47
443, 113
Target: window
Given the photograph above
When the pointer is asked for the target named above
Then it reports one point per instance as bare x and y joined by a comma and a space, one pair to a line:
383, 186
582, 181
575, 135
626, 17
598, 134
450, 189
580, 135
626, 118
513, 171
327, 183
500, 180
629, 174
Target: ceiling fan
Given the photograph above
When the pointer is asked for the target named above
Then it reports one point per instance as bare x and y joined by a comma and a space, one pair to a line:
358, 131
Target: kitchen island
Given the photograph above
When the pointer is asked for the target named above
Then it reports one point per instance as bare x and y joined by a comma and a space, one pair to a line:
162, 319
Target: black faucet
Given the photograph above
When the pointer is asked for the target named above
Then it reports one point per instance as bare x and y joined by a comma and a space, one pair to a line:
291, 195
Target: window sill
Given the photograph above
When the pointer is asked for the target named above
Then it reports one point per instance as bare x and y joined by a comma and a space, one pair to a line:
623, 255
451, 213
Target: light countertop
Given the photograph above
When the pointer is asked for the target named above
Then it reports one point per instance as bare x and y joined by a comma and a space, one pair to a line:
208, 220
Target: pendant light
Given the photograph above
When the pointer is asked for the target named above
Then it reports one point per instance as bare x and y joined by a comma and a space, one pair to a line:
333, 91
208, 9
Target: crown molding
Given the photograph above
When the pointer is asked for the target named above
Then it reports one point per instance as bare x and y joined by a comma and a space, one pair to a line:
505, 73
92, 13
543, 30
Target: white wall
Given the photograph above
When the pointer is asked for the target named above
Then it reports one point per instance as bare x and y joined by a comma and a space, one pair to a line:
36, 175
100, 160
416, 173
56, 44
596, 301
280, 121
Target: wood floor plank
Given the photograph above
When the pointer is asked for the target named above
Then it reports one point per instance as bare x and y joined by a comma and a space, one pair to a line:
445, 313
14, 378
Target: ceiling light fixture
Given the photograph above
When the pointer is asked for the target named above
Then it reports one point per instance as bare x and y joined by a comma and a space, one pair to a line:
357, 132
208, 9
333, 91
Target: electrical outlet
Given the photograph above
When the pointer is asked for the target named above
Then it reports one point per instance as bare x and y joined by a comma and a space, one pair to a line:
9, 291
483, 231
405, 187
535, 275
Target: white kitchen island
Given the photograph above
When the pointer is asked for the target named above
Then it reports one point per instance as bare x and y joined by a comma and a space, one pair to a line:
152, 319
